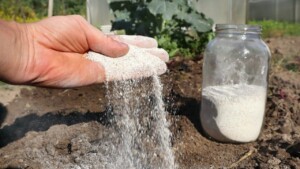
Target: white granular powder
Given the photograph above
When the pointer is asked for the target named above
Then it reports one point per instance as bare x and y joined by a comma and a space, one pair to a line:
233, 112
136, 63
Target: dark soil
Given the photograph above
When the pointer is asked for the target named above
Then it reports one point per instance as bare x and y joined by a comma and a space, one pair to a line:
51, 120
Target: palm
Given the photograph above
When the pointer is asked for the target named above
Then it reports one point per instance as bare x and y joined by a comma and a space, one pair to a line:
59, 46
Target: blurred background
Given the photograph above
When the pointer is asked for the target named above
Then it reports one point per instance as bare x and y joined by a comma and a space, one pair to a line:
232, 11
277, 14
182, 27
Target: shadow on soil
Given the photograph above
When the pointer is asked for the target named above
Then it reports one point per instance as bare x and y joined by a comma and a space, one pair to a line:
32, 122
189, 107
3, 113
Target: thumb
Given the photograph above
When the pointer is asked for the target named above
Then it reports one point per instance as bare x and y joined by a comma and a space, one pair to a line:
101, 43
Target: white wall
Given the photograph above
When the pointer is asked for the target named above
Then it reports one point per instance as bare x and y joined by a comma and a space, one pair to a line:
280, 10
98, 12
223, 11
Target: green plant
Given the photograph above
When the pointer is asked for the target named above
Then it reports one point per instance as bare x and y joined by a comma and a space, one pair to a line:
17, 10
277, 29
34, 10
176, 25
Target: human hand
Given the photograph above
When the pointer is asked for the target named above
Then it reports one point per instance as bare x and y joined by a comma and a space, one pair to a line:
51, 52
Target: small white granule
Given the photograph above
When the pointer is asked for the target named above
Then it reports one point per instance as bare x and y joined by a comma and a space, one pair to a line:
136, 63
233, 112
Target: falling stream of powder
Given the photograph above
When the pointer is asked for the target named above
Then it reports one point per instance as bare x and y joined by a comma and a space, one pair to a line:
139, 120
139, 137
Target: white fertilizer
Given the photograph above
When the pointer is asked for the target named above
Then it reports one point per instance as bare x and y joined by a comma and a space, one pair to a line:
233, 112
136, 63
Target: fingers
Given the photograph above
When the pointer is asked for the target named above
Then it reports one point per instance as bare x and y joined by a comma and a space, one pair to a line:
136, 40
101, 43
161, 53
149, 44
104, 44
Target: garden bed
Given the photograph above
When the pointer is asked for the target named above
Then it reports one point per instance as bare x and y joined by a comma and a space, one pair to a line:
48, 123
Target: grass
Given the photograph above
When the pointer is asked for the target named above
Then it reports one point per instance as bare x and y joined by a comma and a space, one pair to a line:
277, 29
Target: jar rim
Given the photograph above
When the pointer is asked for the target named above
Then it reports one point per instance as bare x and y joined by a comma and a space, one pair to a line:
239, 27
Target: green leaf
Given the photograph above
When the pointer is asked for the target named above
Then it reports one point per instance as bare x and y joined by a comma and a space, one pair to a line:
122, 15
110, 1
166, 8
173, 52
175, 24
196, 20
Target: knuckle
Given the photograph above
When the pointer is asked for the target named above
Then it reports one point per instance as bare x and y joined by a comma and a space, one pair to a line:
78, 17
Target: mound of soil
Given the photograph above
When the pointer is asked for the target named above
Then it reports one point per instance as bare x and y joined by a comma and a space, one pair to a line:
51, 123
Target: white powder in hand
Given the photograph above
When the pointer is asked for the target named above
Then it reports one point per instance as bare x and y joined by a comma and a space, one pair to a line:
233, 112
136, 63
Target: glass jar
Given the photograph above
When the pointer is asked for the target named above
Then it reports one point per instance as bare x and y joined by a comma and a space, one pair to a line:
234, 87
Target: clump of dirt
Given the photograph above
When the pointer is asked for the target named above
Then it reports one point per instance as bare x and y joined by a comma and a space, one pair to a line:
62, 125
